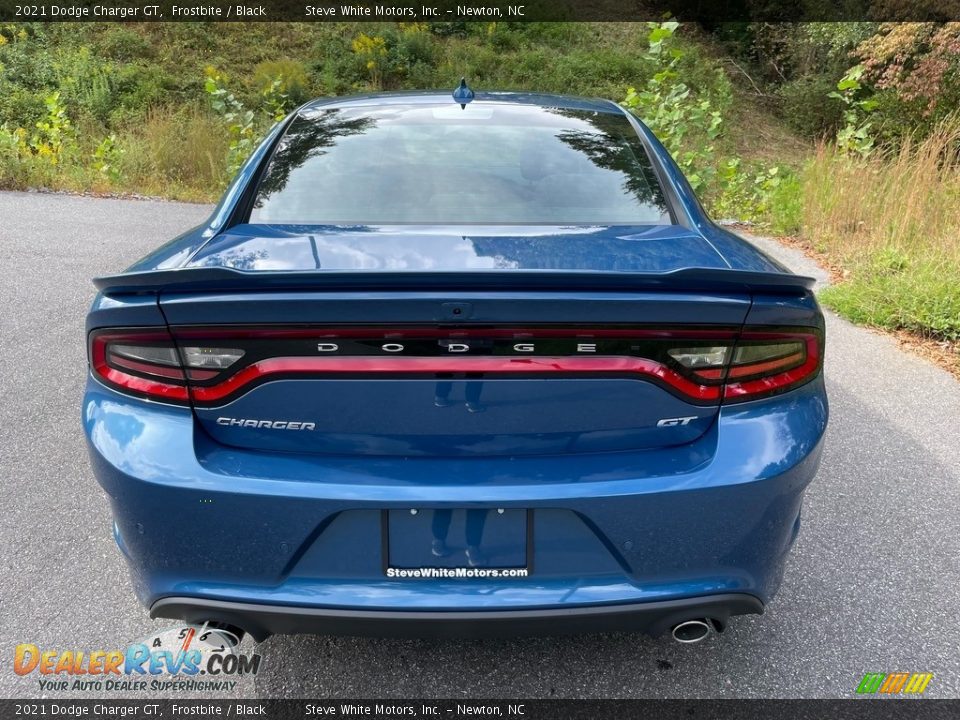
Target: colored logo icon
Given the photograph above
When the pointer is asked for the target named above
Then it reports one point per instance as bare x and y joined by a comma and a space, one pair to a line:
894, 683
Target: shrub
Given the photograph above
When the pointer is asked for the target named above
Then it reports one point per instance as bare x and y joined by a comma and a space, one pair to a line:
596, 72
686, 124
86, 82
238, 119
414, 45
11, 164
125, 45
20, 107
137, 88
26, 59
290, 76
767, 195
804, 108
785, 206
371, 52
53, 135
333, 68
107, 157
38, 156
855, 135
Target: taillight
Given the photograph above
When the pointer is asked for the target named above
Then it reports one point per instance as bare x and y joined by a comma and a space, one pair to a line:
767, 363
148, 363
211, 366
758, 364
141, 362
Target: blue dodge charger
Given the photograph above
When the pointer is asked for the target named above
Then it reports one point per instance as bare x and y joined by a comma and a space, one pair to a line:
462, 365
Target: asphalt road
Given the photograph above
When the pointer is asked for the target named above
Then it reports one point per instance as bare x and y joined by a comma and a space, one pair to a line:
873, 583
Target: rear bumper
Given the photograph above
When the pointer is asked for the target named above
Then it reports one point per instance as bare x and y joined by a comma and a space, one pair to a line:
653, 618
294, 541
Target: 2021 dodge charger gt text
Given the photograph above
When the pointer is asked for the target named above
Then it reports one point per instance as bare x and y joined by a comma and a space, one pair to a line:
441, 366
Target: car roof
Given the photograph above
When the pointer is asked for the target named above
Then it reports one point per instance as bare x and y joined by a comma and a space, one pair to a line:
569, 102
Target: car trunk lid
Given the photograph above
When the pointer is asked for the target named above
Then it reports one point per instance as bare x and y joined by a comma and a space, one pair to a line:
545, 341
426, 373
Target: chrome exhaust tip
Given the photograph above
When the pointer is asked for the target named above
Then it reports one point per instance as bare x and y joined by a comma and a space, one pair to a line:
691, 631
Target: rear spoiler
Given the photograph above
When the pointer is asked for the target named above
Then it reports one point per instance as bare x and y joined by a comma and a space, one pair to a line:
211, 279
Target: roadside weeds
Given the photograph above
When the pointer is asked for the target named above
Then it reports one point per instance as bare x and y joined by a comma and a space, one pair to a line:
943, 353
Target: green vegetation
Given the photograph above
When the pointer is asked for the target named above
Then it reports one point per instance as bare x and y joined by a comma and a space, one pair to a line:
892, 221
173, 109
879, 194
842, 133
879, 190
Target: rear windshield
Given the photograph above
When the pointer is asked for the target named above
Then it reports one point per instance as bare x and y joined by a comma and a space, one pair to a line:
488, 163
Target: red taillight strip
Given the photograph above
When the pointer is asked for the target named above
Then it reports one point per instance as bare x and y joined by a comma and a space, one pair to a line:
739, 371
142, 385
433, 365
111, 367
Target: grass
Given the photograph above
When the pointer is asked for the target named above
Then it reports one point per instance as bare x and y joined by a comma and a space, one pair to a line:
892, 221
176, 154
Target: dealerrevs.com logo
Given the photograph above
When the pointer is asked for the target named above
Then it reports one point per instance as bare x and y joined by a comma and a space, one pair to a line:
186, 658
